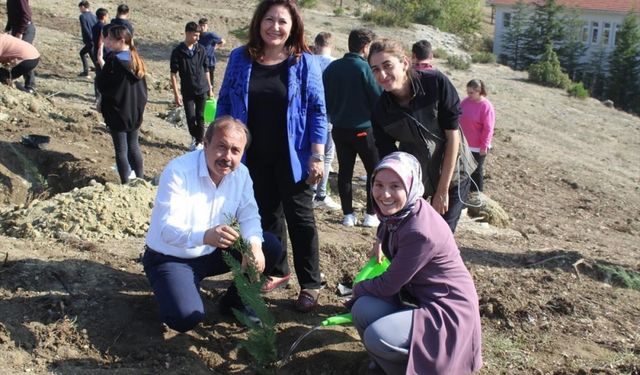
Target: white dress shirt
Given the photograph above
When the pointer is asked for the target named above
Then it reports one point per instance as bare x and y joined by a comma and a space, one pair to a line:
188, 203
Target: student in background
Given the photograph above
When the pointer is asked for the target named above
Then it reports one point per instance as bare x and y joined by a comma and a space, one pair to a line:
210, 41
18, 56
20, 25
87, 21
422, 55
477, 122
189, 61
123, 90
122, 18
351, 91
322, 200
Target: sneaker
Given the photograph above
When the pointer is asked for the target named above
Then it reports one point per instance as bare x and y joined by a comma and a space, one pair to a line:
83, 74
195, 146
199, 146
350, 220
370, 221
327, 203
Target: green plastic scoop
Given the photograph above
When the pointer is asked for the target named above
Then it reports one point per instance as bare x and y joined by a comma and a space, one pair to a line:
369, 271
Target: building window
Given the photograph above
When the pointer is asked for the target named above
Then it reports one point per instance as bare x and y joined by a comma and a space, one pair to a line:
584, 35
616, 29
595, 28
506, 20
606, 34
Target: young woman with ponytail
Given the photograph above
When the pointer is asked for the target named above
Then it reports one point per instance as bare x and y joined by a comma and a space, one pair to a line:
123, 91
477, 122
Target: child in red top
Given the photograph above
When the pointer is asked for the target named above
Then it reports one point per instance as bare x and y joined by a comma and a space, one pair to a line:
477, 122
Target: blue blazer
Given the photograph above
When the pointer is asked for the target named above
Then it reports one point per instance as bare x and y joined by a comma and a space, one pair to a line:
306, 113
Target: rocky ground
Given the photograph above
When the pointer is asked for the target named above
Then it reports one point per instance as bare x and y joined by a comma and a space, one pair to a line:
74, 299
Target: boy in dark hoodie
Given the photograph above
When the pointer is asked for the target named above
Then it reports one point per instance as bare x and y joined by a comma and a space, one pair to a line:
87, 21
189, 61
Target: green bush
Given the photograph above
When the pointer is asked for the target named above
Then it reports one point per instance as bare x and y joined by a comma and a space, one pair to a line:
440, 53
339, 11
483, 58
386, 17
241, 33
577, 90
458, 62
548, 72
307, 3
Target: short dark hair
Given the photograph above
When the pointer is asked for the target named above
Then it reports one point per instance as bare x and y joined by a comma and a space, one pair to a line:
101, 13
226, 123
296, 42
359, 38
192, 27
203, 21
84, 4
323, 39
123, 9
421, 49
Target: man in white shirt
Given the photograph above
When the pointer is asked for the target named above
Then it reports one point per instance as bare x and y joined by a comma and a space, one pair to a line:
198, 194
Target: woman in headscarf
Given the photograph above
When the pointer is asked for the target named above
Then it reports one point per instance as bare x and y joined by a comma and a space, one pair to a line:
421, 316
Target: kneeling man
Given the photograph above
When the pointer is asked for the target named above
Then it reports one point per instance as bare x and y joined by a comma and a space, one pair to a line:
197, 195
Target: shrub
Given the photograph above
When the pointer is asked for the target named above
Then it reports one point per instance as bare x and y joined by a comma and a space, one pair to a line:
307, 3
241, 33
577, 90
440, 53
547, 71
386, 17
458, 62
339, 11
483, 58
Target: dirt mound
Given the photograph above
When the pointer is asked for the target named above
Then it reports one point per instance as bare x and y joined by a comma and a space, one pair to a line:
92, 213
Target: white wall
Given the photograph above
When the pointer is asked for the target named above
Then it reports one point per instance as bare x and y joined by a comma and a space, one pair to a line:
593, 31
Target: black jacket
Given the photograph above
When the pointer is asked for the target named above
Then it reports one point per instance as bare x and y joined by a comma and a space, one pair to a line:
192, 69
420, 129
124, 95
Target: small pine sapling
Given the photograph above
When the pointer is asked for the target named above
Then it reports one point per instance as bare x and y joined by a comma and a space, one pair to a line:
261, 339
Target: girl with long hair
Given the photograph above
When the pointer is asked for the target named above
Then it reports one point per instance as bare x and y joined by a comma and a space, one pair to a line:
123, 90
420, 110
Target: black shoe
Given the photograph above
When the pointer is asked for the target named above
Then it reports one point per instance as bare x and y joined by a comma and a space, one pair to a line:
83, 74
248, 313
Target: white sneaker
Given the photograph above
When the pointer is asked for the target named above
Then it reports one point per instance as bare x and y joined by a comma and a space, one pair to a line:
326, 203
199, 146
350, 220
370, 221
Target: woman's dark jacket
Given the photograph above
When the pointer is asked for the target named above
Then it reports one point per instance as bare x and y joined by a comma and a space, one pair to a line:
420, 129
124, 95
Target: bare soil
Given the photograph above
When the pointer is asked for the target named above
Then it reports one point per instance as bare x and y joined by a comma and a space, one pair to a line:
567, 172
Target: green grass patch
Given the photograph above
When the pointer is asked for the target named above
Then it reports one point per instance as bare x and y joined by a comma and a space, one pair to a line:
619, 276
241, 33
458, 62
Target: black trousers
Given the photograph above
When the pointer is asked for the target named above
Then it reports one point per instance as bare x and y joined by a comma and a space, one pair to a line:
24, 68
128, 155
349, 143
477, 177
281, 200
28, 36
194, 111
85, 53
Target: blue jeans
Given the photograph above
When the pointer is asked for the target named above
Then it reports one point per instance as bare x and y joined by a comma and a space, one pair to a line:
176, 282
321, 188
457, 196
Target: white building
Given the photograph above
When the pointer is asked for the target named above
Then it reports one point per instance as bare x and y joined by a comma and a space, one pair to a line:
601, 20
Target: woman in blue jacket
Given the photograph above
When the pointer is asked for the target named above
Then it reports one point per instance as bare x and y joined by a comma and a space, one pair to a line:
274, 85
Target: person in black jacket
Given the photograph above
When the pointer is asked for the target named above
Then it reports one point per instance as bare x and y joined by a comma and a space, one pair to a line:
87, 21
189, 60
123, 98
420, 110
